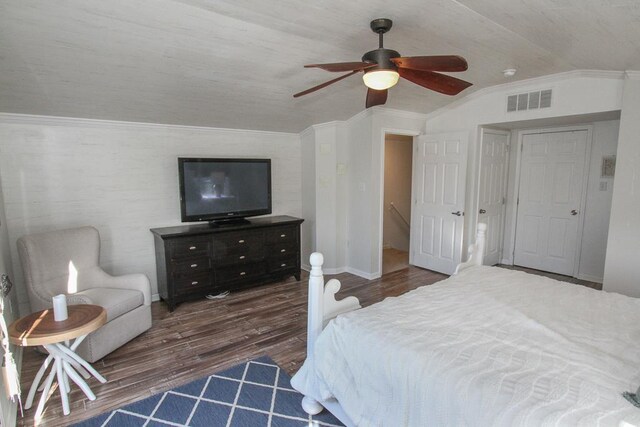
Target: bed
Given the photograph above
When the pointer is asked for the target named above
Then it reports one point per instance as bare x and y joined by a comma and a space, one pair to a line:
487, 346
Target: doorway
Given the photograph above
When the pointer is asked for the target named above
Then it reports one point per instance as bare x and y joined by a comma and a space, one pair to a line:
396, 228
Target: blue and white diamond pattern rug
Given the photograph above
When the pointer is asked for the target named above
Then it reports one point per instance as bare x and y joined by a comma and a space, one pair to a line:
253, 394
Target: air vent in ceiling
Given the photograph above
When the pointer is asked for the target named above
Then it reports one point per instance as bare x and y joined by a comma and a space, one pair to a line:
529, 101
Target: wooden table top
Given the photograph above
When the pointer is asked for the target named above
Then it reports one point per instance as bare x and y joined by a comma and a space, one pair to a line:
40, 328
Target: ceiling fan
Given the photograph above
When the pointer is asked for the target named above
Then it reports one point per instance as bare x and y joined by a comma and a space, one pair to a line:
383, 67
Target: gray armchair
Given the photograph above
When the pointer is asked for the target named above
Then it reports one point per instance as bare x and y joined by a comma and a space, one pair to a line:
66, 262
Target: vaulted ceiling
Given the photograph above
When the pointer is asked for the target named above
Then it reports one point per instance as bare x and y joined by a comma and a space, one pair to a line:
236, 63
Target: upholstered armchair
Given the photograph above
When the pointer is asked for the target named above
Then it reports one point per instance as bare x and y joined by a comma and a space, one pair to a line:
66, 262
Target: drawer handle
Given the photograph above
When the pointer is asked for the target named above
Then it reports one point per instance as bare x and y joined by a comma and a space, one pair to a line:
283, 265
241, 257
194, 283
283, 250
242, 273
192, 248
194, 265
283, 235
241, 241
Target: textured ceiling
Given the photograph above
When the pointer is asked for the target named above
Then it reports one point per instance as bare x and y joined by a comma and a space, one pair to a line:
236, 63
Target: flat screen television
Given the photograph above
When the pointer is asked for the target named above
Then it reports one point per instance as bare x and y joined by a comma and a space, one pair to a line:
224, 190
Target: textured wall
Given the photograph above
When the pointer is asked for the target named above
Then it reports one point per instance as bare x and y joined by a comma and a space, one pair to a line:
121, 178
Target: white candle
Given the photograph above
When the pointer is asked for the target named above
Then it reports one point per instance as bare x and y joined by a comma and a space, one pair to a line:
60, 308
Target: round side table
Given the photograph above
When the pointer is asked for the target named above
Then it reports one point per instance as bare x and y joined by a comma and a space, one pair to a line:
41, 329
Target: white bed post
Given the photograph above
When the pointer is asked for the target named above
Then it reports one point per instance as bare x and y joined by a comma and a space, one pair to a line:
315, 319
476, 250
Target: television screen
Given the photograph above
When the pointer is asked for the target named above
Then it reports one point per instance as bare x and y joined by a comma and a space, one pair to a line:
213, 189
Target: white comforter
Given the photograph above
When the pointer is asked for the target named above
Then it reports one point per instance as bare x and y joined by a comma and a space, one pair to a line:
486, 347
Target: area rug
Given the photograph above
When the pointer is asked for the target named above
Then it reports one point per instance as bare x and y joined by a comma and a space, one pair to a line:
253, 394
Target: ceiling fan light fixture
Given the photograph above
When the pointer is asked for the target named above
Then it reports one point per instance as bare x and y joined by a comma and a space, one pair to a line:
380, 79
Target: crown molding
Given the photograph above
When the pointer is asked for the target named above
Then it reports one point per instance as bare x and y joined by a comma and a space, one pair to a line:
367, 112
514, 86
333, 123
632, 74
30, 119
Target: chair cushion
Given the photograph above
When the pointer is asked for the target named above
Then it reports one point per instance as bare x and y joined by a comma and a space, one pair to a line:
116, 301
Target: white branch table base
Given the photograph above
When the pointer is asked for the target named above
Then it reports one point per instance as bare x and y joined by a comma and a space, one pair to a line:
40, 329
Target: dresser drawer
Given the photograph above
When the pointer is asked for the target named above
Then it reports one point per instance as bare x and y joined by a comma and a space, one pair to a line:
282, 249
283, 262
192, 283
187, 248
192, 266
283, 235
240, 256
239, 272
238, 244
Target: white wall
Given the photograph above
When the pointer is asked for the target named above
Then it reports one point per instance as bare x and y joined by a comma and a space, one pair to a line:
574, 93
359, 241
398, 157
308, 175
8, 409
121, 178
598, 203
324, 190
621, 267
326, 195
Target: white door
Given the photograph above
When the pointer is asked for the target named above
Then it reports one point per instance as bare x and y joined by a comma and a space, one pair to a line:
549, 200
439, 172
493, 167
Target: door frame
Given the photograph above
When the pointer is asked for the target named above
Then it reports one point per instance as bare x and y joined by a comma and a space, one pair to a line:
506, 133
583, 194
384, 132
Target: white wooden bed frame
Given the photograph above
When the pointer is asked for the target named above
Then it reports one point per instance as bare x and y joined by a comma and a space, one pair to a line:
323, 307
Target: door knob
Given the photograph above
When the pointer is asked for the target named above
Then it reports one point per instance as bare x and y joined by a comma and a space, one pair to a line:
574, 212
457, 213
482, 211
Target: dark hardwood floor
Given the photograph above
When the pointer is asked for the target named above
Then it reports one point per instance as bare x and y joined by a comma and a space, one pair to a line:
560, 277
202, 337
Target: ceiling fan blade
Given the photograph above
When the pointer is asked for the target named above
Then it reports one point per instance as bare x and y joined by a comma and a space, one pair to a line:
376, 97
432, 63
434, 81
325, 84
342, 66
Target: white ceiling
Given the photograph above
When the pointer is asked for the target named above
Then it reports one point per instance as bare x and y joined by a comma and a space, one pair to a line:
236, 63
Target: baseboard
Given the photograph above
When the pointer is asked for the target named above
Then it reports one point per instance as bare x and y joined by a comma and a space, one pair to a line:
368, 276
339, 270
590, 278
155, 297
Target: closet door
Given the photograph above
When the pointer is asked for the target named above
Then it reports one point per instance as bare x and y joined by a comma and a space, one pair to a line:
549, 200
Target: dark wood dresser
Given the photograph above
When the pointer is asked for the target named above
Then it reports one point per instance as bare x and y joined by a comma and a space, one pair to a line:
196, 260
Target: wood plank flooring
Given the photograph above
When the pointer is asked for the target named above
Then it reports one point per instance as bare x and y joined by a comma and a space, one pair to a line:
203, 337
394, 260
